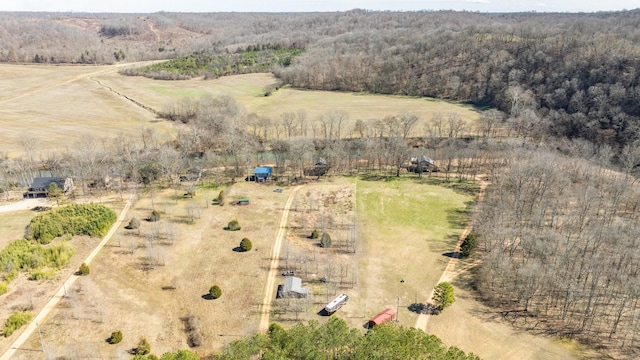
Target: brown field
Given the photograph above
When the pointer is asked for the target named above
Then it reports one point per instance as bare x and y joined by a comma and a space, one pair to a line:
123, 294
56, 106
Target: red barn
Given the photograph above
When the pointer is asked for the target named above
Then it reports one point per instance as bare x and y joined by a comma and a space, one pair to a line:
383, 317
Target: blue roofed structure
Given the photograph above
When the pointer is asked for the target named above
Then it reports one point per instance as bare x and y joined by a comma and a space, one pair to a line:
262, 173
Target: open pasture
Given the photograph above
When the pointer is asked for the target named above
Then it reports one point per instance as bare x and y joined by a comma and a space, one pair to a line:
52, 107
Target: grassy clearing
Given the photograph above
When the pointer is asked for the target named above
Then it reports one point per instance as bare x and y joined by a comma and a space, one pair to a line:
57, 105
13, 225
248, 90
406, 227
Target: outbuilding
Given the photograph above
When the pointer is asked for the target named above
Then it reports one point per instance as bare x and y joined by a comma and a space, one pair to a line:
262, 173
293, 288
385, 316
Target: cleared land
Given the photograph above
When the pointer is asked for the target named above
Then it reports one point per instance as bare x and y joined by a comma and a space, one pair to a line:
153, 298
54, 106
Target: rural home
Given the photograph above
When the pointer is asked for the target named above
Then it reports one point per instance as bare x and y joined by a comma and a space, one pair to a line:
422, 164
262, 173
385, 316
40, 186
293, 288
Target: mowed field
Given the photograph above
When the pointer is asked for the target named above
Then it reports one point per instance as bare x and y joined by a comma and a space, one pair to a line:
55, 106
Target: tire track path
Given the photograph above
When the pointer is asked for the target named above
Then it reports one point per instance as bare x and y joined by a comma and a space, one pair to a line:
273, 265
449, 274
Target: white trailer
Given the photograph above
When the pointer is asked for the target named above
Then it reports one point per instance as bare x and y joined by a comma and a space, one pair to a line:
336, 303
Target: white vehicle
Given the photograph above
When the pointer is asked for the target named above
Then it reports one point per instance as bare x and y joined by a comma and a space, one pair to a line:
336, 303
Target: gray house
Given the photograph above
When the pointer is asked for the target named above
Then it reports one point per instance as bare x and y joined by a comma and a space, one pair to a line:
40, 186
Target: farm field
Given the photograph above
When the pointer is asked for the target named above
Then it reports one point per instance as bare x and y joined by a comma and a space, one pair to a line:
59, 106
149, 283
55, 106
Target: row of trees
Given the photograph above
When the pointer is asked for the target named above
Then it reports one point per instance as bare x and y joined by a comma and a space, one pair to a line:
334, 340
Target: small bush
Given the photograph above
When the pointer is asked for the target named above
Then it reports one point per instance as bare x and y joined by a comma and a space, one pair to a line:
325, 241
15, 322
116, 337
245, 244
315, 234
155, 216
134, 223
215, 292
233, 225
3, 288
84, 269
41, 274
220, 198
143, 347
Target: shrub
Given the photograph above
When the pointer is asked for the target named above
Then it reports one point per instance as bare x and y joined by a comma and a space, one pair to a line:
325, 241
84, 269
4, 287
233, 225
193, 328
86, 219
215, 291
468, 245
143, 347
134, 223
42, 274
15, 321
315, 234
245, 244
155, 216
220, 199
116, 337
33, 257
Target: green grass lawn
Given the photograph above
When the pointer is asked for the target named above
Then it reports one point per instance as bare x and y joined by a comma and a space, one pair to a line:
406, 226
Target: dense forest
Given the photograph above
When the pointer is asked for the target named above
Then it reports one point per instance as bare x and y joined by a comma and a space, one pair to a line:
571, 75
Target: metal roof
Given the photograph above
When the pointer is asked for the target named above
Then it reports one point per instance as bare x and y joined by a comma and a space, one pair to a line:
294, 284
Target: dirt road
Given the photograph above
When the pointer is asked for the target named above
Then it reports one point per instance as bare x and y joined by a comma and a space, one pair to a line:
449, 272
273, 266
61, 293
26, 204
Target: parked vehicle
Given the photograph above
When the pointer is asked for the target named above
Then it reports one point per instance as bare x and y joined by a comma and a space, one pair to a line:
336, 303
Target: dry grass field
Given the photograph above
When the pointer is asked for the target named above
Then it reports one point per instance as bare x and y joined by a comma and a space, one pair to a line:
125, 292
55, 106
13, 225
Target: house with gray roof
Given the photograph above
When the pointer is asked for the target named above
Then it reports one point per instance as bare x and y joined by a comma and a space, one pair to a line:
40, 186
